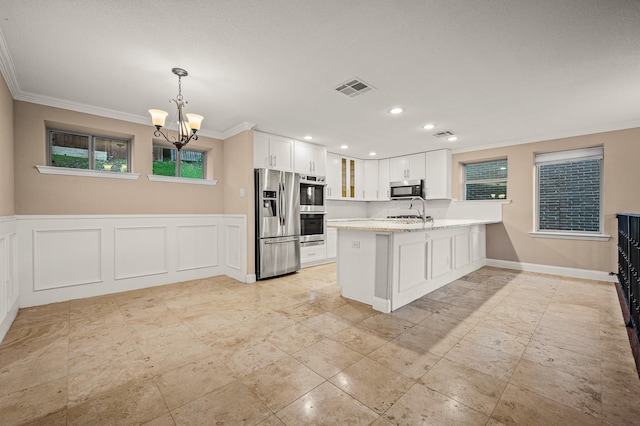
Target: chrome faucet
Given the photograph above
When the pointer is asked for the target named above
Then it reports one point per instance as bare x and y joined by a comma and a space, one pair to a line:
423, 215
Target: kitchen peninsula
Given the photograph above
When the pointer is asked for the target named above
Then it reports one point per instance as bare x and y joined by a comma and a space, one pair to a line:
388, 263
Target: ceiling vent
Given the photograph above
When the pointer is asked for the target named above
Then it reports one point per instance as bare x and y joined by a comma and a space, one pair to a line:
444, 134
354, 87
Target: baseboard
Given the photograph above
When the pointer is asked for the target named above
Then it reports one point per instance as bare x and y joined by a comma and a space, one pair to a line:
318, 262
553, 270
8, 320
381, 305
250, 278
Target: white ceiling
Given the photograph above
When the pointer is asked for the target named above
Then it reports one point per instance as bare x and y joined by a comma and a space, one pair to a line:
495, 72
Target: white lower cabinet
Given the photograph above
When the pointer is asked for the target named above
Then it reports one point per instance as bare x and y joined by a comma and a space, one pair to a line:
441, 245
321, 253
388, 270
310, 255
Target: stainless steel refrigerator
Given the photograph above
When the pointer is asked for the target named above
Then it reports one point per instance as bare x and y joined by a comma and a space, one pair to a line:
277, 222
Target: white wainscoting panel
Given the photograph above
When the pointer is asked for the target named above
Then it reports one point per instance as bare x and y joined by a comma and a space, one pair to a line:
60, 257
8, 273
66, 257
412, 264
234, 243
4, 297
197, 246
140, 251
12, 270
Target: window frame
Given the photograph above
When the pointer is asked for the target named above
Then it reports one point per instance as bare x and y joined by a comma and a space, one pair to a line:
91, 150
178, 161
561, 157
465, 182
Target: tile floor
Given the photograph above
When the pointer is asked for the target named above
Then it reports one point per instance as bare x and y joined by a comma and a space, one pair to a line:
496, 347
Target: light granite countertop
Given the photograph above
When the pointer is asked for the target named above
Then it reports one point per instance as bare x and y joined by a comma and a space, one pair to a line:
401, 225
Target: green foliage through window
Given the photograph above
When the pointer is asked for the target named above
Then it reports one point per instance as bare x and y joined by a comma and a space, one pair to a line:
184, 163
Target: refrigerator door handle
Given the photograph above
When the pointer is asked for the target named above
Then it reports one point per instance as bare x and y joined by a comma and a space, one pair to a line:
280, 240
282, 204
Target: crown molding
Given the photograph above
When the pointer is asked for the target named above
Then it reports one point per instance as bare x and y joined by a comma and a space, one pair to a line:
7, 68
238, 128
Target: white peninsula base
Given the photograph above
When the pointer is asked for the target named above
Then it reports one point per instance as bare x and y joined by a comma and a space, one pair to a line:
389, 268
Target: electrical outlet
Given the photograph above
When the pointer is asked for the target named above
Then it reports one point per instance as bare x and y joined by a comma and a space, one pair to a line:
355, 244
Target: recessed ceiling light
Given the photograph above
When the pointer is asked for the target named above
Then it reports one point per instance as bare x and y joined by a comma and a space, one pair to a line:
344, 146
503, 168
452, 138
396, 110
308, 137
429, 126
372, 154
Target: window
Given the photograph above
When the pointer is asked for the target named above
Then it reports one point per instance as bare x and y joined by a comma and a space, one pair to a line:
184, 163
89, 152
569, 191
486, 180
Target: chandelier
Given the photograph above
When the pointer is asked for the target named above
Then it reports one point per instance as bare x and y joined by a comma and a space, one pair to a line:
188, 124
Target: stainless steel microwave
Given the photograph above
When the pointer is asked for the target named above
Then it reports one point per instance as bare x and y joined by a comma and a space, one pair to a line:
407, 189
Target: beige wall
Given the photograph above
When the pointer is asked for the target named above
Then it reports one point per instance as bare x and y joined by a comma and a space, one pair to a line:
238, 175
37, 193
6, 147
510, 239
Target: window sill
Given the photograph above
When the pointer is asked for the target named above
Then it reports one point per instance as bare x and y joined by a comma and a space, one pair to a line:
571, 236
188, 181
51, 170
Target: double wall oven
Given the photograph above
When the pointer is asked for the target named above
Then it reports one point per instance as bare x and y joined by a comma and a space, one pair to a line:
312, 212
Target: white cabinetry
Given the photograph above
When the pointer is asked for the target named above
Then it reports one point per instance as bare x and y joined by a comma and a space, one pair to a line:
437, 183
313, 255
272, 152
376, 178
310, 159
345, 178
333, 177
441, 245
371, 187
390, 269
408, 167
383, 180
321, 253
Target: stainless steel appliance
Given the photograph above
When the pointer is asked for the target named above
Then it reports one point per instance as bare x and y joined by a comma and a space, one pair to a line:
277, 222
312, 193
312, 228
407, 189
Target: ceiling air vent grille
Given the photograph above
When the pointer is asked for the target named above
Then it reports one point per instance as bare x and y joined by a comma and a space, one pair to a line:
354, 87
444, 134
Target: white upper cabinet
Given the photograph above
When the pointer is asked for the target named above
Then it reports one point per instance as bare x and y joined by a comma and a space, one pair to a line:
371, 173
310, 159
408, 167
437, 184
334, 177
345, 178
383, 180
272, 152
